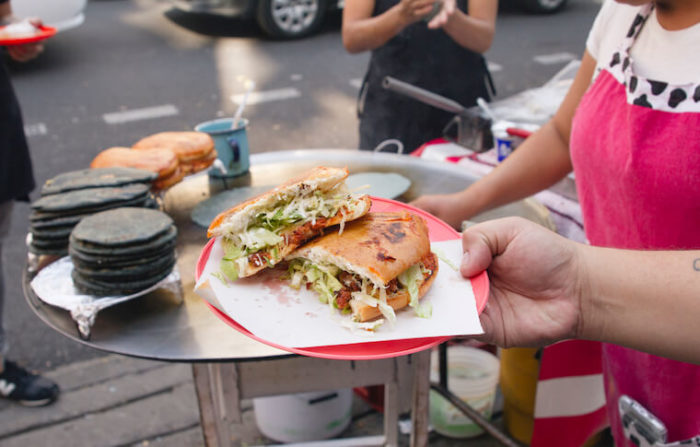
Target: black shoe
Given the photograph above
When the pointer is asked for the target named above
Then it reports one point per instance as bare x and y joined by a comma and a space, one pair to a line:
31, 390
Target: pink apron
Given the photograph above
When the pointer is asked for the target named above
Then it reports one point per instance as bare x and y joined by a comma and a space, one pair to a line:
635, 147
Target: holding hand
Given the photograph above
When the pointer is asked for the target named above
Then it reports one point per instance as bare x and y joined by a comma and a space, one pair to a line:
535, 278
415, 10
545, 288
448, 207
448, 8
28, 51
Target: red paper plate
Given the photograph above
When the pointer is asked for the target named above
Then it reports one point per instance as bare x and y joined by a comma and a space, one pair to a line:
44, 32
439, 231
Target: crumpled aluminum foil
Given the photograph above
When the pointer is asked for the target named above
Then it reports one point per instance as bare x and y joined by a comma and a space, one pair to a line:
54, 286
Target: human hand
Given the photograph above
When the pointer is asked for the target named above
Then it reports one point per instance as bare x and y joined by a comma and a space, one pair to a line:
415, 10
536, 279
441, 18
448, 207
28, 51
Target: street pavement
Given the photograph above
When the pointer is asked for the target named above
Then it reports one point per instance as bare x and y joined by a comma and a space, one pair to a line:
122, 401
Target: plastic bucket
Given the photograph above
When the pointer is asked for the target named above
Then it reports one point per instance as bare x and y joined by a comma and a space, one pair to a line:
304, 417
519, 371
473, 377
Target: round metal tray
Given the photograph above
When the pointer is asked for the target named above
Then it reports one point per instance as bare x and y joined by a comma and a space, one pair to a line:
159, 326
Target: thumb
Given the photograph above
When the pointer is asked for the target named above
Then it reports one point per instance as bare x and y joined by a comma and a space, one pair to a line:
484, 241
477, 253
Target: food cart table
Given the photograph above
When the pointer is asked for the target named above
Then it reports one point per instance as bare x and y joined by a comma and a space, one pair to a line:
229, 366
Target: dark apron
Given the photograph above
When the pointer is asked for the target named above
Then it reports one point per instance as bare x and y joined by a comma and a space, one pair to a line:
426, 58
16, 177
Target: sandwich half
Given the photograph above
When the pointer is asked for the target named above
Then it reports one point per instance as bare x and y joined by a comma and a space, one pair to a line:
260, 232
380, 263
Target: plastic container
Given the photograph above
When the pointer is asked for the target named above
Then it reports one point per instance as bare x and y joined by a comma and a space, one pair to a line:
519, 371
504, 146
304, 417
473, 377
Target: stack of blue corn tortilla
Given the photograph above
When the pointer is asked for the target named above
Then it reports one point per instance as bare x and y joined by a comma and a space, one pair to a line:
122, 251
69, 197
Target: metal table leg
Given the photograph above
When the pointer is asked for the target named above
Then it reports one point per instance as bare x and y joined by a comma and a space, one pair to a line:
221, 386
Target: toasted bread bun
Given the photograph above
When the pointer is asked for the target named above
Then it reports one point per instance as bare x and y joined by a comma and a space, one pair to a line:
186, 145
161, 161
298, 234
363, 312
237, 218
199, 164
378, 246
167, 182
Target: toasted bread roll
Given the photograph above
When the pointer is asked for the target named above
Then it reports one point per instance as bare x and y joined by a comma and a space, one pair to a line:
187, 146
161, 161
261, 231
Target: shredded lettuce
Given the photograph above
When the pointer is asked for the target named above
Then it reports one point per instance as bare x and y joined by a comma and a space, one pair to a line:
220, 276
301, 209
296, 279
425, 310
386, 310
229, 269
410, 278
259, 238
231, 250
322, 278
440, 254
264, 229
370, 326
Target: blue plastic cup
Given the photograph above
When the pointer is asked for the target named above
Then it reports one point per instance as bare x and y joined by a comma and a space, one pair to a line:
231, 146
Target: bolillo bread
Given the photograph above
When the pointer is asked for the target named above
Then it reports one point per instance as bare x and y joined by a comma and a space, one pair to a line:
187, 146
237, 218
379, 246
260, 232
161, 161
370, 268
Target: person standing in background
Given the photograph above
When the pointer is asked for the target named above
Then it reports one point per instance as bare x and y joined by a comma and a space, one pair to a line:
630, 129
435, 45
16, 182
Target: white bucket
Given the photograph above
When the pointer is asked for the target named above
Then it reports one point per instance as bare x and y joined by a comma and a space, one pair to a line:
305, 416
473, 377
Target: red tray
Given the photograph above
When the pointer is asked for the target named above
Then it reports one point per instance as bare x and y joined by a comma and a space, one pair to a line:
44, 32
439, 231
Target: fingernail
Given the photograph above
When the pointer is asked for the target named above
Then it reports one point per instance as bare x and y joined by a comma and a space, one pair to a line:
465, 261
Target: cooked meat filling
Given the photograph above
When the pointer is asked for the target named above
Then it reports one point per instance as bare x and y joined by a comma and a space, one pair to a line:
353, 283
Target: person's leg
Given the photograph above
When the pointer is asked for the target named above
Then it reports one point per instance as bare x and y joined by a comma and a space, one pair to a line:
5, 212
16, 383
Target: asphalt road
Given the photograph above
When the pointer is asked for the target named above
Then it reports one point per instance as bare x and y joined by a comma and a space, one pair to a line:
177, 70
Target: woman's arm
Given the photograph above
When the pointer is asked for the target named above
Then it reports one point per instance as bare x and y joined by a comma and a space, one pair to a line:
645, 300
545, 288
474, 30
541, 161
362, 32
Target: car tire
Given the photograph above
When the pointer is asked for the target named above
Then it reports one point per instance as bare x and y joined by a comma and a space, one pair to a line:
280, 20
544, 6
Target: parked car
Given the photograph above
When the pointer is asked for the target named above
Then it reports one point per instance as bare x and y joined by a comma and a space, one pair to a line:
60, 14
287, 19
291, 19
543, 6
